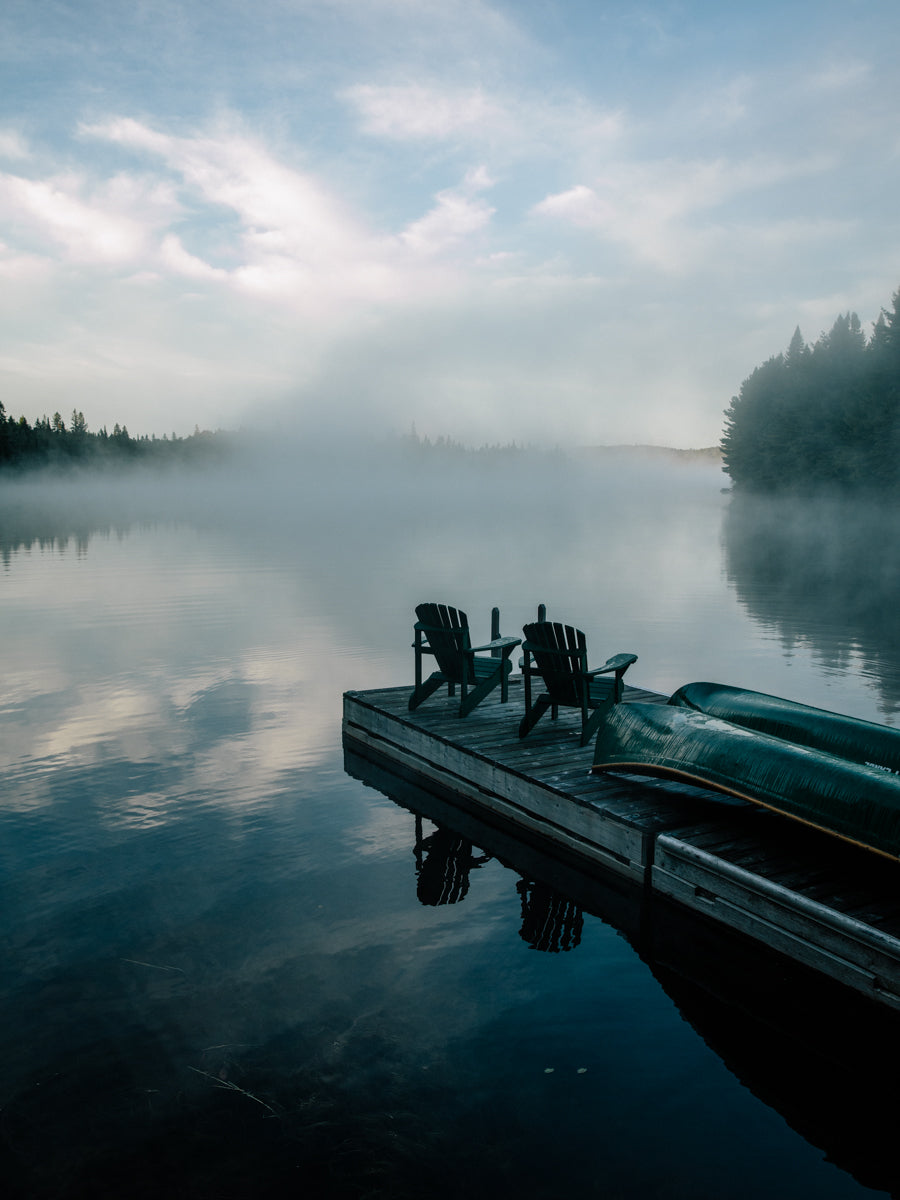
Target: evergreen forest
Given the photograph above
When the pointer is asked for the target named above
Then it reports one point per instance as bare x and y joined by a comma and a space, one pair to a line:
49, 442
821, 416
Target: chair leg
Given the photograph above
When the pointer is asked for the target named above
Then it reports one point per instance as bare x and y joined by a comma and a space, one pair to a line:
424, 690
592, 723
533, 714
470, 699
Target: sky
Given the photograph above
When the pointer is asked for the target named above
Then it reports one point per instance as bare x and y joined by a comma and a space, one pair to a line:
540, 221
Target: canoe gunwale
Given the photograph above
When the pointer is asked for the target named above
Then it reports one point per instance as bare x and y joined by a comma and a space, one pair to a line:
683, 776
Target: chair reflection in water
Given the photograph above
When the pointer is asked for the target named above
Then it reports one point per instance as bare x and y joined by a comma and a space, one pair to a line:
550, 921
444, 860
443, 633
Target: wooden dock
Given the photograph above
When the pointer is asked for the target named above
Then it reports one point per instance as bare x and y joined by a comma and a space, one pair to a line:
821, 903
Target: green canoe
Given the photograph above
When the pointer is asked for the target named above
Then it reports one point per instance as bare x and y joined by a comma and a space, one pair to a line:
847, 737
855, 801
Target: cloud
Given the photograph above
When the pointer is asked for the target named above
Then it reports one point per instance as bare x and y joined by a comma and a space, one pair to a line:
178, 260
415, 112
108, 224
235, 172
511, 125
457, 214
650, 207
262, 226
218, 266
12, 145
295, 241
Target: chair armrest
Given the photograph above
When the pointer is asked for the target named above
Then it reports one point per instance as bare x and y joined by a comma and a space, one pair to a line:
618, 662
498, 644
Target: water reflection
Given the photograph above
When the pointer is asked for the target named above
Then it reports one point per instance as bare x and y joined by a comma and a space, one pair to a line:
823, 574
203, 911
445, 859
551, 922
444, 862
816, 1053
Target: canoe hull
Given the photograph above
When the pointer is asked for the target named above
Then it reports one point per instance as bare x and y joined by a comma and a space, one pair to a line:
853, 801
847, 737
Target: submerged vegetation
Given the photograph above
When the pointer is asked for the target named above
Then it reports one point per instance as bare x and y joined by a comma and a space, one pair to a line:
49, 442
821, 416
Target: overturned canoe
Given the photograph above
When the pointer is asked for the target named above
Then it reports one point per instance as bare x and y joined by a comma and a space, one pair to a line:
847, 737
854, 801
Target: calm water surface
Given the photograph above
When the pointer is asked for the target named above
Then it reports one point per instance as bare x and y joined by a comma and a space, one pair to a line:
237, 965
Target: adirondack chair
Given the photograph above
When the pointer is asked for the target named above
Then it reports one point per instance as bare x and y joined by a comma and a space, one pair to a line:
559, 655
444, 633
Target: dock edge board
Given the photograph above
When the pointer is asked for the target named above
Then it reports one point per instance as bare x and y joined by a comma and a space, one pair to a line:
804, 930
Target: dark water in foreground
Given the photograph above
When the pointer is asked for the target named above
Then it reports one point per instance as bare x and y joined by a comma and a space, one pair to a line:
236, 965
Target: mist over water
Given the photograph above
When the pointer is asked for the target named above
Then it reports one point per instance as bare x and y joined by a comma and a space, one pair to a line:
789, 596
221, 974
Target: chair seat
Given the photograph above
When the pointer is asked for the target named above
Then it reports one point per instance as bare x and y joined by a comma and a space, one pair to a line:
599, 691
481, 668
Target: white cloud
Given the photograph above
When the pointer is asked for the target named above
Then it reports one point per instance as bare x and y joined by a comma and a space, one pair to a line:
415, 112
512, 126
108, 226
649, 207
295, 242
580, 204
236, 172
12, 145
457, 214
181, 262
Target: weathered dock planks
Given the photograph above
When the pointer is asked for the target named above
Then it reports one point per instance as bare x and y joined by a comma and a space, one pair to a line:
821, 903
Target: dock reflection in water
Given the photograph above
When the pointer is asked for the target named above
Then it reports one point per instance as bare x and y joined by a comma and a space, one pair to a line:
824, 1058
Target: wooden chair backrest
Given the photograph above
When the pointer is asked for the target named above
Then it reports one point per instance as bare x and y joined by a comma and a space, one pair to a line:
447, 631
560, 655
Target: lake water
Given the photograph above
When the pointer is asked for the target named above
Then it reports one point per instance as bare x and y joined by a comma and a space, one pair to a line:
233, 967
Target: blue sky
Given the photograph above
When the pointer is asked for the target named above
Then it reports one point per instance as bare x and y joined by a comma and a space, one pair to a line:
563, 222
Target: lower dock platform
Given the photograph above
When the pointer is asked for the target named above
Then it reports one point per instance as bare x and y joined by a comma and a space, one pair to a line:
822, 903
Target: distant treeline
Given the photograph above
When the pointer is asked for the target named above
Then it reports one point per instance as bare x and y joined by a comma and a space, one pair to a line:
445, 447
49, 442
821, 416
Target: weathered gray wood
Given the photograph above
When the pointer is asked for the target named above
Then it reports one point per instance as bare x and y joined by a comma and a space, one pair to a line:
804, 929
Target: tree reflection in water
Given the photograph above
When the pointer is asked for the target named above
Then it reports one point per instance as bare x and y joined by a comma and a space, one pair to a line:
822, 572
